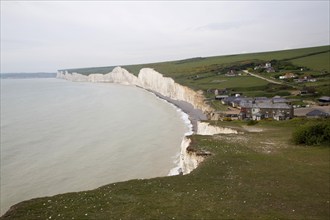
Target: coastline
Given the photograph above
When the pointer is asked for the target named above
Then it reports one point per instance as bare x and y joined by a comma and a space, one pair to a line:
186, 161
190, 102
177, 170
191, 117
173, 168
194, 115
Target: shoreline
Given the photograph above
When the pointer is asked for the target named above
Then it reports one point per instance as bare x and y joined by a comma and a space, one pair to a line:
191, 103
177, 170
190, 117
189, 129
194, 115
184, 162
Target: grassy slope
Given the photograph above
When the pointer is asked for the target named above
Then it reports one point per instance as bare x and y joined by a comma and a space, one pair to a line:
189, 66
319, 62
176, 69
251, 175
202, 73
185, 71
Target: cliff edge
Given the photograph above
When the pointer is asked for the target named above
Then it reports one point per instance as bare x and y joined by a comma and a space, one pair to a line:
147, 79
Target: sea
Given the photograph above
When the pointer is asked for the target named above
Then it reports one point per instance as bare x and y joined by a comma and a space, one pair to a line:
59, 136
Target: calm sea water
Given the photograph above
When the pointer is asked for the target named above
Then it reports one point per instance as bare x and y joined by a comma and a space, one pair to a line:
59, 136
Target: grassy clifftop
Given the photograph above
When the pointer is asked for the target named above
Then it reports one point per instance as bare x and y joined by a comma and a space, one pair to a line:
316, 58
249, 176
204, 73
186, 67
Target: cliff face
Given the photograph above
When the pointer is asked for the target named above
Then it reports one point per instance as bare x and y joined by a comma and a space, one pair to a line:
147, 79
189, 160
204, 128
152, 80
118, 75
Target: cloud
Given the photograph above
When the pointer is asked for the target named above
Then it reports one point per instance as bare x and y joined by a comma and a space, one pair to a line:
63, 34
222, 26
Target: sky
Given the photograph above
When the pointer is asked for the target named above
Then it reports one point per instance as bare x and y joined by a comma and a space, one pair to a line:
44, 36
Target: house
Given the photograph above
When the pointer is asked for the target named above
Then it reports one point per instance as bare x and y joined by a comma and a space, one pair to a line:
232, 116
231, 73
258, 111
236, 101
305, 79
309, 79
257, 67
316, 113
228, 100
258, 108
288, 76
304, 92
217, 91
279, 116
261, 99
278, 99
324, 100
221, 91
267, 66
270, 70
221, 97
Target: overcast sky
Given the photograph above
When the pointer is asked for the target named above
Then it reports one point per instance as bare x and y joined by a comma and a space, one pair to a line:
50, 35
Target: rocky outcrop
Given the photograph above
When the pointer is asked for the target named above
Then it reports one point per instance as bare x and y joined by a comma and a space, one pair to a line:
204, 128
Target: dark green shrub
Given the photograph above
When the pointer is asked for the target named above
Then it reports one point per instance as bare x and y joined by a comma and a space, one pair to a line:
252, 122
283, 93
313, 134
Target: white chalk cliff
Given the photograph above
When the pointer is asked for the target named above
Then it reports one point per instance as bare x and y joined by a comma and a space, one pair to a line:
154, 81
147, 79
188, 160
204, 128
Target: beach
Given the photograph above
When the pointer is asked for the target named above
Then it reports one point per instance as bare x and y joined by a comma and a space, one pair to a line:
194, 115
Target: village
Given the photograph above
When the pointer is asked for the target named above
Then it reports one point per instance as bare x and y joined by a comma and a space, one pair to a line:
278, 108
275, 108
282, 71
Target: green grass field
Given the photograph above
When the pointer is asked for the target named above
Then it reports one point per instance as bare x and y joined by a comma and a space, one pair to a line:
320, 62
221, 82
197, 65
249, 176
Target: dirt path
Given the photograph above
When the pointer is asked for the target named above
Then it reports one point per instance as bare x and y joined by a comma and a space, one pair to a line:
269, 80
